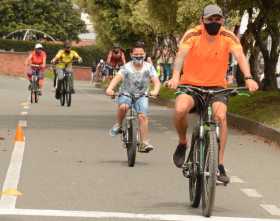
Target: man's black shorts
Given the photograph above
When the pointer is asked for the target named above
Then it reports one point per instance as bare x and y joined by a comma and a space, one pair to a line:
217, 98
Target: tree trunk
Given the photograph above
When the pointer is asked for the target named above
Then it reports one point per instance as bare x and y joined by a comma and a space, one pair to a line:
269, 73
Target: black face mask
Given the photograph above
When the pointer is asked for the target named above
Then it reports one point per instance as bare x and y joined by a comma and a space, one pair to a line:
212, 28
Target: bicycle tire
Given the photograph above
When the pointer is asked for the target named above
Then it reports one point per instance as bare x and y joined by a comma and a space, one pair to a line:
209, 173
68, 94
36, 97
32, 92
132, 143
195, 180
36, 92
62, 93
31, 96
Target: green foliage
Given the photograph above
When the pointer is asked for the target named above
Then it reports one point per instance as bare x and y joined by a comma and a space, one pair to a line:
260, 106
89, 54
55, 17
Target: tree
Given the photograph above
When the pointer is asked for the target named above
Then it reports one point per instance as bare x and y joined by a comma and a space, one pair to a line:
55, 17
263, 22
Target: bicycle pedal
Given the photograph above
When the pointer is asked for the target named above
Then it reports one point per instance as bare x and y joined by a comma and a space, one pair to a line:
186, 172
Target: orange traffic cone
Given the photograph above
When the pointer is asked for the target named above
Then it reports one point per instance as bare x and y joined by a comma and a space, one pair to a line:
19, 134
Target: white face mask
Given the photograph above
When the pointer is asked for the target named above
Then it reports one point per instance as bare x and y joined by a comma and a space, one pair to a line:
138, 59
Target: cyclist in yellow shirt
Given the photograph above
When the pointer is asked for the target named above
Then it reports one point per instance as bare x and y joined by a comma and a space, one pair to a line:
64, 59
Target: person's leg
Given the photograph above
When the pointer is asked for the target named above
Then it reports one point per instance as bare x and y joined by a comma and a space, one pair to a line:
123, 105
60, 75
165, 72
143, 126
220, 112
29, 76
41, 82
168, 71
141, 106
184, 104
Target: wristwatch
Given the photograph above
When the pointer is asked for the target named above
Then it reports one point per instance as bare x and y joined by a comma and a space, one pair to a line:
247, 78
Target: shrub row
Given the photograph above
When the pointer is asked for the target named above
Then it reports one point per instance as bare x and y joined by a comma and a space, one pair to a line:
89, 54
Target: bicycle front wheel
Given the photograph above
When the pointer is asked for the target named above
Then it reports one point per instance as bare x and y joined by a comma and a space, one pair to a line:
62, 93
195, 180
68, 94
210, 173
132, 143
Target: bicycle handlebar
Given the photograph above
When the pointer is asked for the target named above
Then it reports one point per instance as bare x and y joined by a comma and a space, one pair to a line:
132, 95
35, 65
228, 91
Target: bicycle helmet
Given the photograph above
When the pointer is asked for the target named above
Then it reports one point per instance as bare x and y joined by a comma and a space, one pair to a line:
38, 46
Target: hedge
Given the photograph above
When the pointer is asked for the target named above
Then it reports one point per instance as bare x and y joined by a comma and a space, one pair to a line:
89, 54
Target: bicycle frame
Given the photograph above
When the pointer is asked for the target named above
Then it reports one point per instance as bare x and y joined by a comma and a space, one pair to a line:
131, 116
35, 77
206, 123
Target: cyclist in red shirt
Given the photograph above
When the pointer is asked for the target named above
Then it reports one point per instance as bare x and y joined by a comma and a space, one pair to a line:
115, 58
36, 58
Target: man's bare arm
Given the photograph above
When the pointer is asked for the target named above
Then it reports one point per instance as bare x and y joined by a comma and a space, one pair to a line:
245, 68
178, 65
242, 61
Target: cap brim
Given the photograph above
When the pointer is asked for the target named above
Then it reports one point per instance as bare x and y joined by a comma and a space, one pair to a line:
208, 16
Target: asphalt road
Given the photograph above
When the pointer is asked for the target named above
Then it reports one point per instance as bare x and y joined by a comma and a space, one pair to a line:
73, 170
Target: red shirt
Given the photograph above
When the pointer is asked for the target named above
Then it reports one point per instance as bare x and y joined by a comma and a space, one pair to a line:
38, 58
115, 59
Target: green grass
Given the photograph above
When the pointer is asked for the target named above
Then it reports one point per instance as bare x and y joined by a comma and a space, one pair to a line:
262, 106
167, 93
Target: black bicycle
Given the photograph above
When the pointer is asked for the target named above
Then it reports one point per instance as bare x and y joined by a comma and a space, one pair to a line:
34, 84
65, 88
201, 166
130, 133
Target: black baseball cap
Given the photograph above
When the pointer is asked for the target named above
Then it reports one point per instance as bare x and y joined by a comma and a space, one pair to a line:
212, 9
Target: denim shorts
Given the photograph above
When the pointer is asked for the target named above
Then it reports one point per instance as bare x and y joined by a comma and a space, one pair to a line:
141, 105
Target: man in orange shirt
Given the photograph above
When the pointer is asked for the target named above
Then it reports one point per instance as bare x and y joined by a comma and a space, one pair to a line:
203, 54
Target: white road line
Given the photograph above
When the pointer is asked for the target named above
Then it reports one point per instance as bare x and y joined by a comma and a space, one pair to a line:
251, 193
26, 107
235, 179
22, 123
99, 214
271, 209
12, 176
23, 113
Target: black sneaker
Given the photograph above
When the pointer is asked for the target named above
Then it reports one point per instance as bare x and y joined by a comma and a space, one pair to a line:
73, 91
222, 177
179, 155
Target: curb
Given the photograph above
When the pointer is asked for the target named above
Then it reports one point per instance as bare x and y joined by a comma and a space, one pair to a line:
254, 127
238, 122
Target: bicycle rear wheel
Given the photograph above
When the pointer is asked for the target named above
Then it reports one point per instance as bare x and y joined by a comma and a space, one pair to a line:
62, 93
195, 180
132, 143
209, 173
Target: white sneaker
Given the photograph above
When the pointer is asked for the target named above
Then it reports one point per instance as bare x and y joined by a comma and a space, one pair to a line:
115, 130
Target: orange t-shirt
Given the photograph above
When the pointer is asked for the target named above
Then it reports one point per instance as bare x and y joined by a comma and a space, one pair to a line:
206, 63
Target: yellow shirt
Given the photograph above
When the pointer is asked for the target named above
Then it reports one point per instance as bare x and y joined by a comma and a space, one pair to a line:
66, 59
